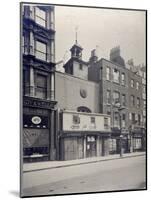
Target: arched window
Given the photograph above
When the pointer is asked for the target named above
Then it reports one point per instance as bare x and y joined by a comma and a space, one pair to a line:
83, 109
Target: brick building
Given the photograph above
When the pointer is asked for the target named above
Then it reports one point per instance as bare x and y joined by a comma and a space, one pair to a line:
120, 97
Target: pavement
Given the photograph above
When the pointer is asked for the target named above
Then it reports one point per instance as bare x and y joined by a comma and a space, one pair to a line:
37, 166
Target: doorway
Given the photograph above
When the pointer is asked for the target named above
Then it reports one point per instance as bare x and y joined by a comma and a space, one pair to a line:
91, 146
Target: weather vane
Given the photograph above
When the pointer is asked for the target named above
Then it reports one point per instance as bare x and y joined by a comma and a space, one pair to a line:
76, 34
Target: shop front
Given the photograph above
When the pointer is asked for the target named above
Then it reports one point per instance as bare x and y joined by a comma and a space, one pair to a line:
38, 132
83, 135
35, 137
138, 135
120, 139
90, 146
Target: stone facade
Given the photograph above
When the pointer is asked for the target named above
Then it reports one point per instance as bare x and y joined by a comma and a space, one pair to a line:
68, 92
38, 65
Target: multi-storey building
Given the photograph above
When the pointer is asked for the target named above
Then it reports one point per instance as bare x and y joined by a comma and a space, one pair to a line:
121, 97
38, 66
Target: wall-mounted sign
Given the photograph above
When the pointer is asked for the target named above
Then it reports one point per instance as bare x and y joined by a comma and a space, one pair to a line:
36, 120
84, 122
38, 103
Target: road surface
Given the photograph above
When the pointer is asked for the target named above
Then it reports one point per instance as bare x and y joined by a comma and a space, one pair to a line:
120, 174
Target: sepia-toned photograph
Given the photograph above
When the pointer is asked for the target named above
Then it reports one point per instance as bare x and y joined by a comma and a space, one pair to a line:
83, 99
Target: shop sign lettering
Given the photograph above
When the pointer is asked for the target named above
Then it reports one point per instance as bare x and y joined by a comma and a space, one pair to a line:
37, 103
75, 127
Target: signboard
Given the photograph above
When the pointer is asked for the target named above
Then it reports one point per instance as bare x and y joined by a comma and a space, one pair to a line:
124, 131
36, 120
33, 102
85, 122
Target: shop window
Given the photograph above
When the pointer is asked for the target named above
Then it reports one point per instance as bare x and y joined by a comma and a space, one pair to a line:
137, 143
41, 50
116, 76
76, 119
40, 17
41, 86
112, 145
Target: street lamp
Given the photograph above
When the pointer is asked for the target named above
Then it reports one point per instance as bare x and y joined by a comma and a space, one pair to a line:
120, 108
121, 145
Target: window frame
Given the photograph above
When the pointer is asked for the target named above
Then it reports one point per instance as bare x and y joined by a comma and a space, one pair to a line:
42, 89
108, 73
123, 81
132, 100
38, 17
123, 120
137, 85
106, 122
39, 51
123, 97
108, 98
92, 119
116, 116
116, 80
138, 102
116, 100
132, 83
76, 119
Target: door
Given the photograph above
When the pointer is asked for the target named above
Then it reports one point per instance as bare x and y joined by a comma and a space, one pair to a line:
91, 146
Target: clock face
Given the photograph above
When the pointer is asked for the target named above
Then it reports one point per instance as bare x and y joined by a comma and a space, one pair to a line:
83, 93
